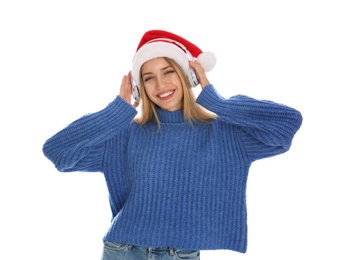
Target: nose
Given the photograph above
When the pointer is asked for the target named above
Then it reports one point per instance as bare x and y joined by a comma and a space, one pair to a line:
161, 83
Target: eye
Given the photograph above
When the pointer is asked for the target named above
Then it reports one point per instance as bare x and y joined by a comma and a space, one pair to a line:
169, 71
145, 79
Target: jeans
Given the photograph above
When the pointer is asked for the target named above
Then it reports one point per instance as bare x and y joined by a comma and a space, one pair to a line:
119, 251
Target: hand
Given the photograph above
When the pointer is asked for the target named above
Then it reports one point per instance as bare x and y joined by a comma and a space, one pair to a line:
200, 72
126, 90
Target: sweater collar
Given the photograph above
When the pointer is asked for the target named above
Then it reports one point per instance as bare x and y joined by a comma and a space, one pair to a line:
170, 116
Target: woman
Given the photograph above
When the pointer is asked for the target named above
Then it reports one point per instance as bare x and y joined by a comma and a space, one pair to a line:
176, 172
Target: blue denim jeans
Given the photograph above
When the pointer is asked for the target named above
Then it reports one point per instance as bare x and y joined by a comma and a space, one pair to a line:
119, 251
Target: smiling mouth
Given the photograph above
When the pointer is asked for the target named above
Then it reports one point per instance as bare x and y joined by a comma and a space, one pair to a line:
166, 94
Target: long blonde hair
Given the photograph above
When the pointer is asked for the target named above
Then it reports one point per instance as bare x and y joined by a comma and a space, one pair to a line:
192, 111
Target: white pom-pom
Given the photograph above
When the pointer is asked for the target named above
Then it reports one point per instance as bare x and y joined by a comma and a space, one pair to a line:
207, 60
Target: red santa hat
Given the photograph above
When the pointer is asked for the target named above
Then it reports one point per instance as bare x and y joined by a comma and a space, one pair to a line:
158, 43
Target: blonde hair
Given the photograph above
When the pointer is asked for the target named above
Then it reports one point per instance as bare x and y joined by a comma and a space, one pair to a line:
192, 111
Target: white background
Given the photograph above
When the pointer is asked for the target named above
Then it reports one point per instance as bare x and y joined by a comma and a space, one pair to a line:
62, 59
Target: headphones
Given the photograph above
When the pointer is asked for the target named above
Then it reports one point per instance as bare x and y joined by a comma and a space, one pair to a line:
191, 74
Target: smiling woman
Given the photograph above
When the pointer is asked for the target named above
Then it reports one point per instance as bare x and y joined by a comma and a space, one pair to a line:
168, 88
162, 84
161, 166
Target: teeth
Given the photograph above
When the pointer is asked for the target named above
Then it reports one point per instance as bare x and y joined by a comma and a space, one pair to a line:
166, 94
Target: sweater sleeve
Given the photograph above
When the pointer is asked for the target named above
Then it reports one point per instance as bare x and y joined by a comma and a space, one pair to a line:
80, 145
268, 128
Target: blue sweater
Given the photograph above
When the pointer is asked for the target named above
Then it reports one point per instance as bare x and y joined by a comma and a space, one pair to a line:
185, 185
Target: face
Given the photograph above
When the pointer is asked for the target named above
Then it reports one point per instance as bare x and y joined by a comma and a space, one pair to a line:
162, 84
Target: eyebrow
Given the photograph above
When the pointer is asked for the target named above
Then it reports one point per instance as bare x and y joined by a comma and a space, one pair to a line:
146, 73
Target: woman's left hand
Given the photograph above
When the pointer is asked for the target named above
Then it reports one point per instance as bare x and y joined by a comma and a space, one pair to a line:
126, 90
200, 73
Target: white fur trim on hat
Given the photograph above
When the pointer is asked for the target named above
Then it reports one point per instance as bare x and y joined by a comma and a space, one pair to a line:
156, 50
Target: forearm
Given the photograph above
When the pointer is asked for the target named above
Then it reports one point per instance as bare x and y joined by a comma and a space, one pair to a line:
266, 120
77, 140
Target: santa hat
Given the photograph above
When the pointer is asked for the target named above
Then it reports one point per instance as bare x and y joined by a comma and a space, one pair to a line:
158, 43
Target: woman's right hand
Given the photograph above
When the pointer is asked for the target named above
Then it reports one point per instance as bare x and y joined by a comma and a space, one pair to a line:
126, 90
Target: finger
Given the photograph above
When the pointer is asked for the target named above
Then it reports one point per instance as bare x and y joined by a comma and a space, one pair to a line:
136, 104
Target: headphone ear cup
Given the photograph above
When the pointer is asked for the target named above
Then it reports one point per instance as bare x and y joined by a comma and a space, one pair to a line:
193, 77
135, 90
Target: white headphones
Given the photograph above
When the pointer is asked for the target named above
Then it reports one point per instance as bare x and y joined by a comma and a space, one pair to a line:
191, 74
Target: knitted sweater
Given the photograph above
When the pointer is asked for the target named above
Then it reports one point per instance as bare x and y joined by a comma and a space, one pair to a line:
183, 186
